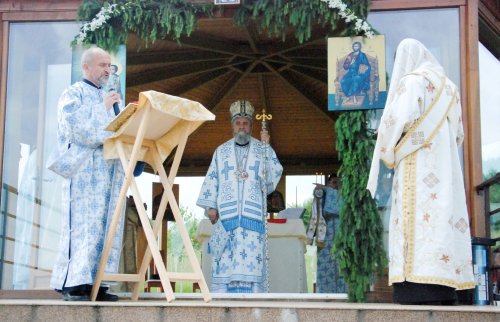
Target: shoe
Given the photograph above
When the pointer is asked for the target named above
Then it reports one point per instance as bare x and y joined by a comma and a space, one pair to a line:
75, 296
104, 296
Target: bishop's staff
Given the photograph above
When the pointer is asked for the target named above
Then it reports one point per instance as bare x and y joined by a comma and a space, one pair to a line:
264, 137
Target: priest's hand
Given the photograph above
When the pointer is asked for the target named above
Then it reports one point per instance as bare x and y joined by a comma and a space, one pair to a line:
213, 215
265, 137
110, 99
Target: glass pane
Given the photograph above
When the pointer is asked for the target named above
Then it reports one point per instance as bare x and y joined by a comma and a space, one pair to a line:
39, 68
489, 69
437, 29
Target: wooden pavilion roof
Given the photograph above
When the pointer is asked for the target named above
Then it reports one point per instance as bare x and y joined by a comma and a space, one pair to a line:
220, 63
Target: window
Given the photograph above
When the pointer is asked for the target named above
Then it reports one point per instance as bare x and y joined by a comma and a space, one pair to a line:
39, 68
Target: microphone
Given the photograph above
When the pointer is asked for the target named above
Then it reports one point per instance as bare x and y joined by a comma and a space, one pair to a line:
116, 107
139, 166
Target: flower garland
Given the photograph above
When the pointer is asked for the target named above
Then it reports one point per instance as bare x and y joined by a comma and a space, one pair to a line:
106, 12
348, 15
114, 10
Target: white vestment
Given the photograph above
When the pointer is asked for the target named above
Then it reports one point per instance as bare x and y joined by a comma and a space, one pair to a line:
235, 189
90, 188
419, 135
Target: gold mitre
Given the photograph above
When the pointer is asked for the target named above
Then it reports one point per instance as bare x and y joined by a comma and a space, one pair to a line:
241, 109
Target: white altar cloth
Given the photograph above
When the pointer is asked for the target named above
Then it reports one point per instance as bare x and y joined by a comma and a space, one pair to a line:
287, 246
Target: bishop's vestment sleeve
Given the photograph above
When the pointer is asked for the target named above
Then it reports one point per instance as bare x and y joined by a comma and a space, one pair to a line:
209, 189
399, 116
274, 169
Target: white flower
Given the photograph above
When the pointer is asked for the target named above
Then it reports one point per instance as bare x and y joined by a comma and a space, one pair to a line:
348, 15
99, 20
108, 11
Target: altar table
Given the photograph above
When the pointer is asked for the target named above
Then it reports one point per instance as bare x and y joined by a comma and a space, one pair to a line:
287, 246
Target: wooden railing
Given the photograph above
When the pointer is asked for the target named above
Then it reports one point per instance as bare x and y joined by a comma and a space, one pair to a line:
484, 188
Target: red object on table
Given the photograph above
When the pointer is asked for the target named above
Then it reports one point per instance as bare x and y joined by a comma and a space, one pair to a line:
277, 221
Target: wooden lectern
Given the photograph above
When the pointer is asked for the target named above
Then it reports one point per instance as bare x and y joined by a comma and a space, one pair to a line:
149, 131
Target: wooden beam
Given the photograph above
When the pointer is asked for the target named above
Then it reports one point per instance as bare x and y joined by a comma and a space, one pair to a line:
291, 45
308, 52
250, 38
288, 78
471, 114
199, 81
320, 104
171, 56
37, 5
489, 26
228, 88
319, 75
40, 16
177, 70
312, 62
204, 42
413, 4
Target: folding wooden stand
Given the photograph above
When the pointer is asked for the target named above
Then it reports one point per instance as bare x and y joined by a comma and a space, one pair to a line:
145, 144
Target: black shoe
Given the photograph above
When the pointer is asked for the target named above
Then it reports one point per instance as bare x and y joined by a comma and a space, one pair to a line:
75, 296
104, 296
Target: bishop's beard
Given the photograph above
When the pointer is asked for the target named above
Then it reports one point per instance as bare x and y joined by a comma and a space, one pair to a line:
242, 138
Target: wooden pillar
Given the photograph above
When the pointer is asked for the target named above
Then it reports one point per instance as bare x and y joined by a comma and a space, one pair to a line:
473, 173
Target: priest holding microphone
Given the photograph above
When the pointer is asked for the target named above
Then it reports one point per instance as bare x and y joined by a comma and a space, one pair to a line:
91, 184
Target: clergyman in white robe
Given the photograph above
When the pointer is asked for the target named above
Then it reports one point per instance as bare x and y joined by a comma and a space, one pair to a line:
419, 135
90, 188
237, 180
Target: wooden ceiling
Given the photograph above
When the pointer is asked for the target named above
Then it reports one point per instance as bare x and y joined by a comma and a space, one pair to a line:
220, 63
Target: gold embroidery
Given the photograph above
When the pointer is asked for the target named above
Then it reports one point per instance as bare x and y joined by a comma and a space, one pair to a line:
461, 225
409, 207
430, 88
432, 280
431, 180
445, 258
421, 118
417, 138
427, 217
427, 145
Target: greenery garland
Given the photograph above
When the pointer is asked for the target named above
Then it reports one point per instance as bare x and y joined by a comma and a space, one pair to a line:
111, 22
358, 243
279, 16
